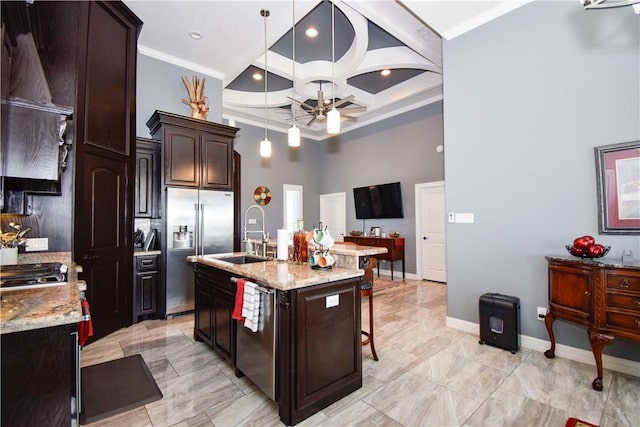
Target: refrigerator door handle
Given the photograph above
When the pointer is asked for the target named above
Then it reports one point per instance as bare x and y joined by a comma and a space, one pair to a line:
201, 229
197, 230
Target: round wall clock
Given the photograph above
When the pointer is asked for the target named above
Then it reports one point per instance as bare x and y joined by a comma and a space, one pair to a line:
262, 195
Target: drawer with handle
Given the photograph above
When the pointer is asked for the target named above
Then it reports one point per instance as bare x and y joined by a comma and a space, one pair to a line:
146, 263
627, 302
626, 282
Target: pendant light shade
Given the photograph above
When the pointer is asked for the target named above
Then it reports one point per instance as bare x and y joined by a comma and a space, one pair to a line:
265, 144
294, 133
294, 136
333, 121
265, 148
333, 116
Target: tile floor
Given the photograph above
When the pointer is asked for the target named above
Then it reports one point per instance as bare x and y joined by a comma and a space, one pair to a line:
428, 375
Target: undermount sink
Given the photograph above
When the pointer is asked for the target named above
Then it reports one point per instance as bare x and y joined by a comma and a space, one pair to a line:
243, 259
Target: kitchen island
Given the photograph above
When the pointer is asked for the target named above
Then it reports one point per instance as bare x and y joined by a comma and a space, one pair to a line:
307, 351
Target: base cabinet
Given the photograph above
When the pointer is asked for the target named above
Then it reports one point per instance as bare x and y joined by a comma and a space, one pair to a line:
320, 352
602, 296
40, 377
214, 301
146, 286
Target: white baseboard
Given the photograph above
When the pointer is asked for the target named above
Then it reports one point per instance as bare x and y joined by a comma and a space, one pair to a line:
617, 364
396, 274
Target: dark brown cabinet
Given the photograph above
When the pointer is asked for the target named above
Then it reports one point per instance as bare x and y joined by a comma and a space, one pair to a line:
40, 377
105, 160
319, 353
196, 153
395, 249
603, 296
146, 286
214, 302
147, 189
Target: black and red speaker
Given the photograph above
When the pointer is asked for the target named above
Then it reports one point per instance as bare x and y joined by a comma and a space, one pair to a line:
500, 321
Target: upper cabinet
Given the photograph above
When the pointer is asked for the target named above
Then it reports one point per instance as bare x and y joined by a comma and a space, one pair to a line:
147, 189
196, 153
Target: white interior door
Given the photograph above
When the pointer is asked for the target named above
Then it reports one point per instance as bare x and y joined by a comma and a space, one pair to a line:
333, 214
431, 228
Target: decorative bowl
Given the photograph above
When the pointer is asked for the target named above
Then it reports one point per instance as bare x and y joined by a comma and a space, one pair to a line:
356, 233
586, 255
395, 234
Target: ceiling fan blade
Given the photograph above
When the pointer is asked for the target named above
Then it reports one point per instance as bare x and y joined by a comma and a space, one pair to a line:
345, 100
311, 121
300, 102
348, 118
350, 110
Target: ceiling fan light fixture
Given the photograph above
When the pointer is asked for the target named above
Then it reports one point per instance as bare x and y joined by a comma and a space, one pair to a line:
333, 121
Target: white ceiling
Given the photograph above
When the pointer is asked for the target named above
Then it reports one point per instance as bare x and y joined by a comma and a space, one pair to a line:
233, 39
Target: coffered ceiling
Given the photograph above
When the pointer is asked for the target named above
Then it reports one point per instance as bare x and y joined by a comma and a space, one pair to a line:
370, 36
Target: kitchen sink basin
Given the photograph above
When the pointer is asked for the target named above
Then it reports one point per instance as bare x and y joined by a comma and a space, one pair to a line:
243, 259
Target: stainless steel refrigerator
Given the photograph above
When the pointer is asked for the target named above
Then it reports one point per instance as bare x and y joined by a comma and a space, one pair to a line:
197, 222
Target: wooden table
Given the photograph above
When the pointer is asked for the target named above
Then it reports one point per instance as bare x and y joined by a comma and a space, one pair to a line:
395, 249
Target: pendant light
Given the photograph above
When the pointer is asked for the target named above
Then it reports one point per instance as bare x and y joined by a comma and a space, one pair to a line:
294, 131
333, 116
265, 144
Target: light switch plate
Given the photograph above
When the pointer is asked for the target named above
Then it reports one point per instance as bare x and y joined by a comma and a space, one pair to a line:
465, 218
37, 244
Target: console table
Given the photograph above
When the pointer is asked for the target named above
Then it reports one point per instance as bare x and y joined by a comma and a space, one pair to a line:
395, 248
601, 294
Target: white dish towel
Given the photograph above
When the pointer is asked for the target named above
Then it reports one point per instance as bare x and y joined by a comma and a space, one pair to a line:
251, 306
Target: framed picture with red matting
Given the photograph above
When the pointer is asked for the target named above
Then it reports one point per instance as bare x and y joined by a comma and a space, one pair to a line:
618, 178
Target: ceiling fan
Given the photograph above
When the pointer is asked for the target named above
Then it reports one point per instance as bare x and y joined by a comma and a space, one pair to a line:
323, 106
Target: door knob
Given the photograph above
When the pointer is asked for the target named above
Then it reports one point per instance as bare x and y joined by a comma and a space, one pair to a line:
424, 237
88, 257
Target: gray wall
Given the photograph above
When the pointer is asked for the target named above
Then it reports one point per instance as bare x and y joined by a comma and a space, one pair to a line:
160, 87
297, 166
527, 97
401, 148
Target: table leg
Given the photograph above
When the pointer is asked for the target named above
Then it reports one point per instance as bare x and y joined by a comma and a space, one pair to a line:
598, 341
548, 322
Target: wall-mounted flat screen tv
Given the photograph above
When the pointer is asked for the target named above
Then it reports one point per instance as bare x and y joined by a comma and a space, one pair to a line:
378, 201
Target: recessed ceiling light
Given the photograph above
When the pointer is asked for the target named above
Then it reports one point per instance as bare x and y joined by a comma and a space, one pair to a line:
257, 76
195, 36
311, 32
385, 72
327, 101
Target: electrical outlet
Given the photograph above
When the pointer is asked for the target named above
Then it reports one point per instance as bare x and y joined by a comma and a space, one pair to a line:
542, 311
37, 244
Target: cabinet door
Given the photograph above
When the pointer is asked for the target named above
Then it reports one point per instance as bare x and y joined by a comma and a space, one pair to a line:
144, 184
217, 158
223, 325
146, 292
204, 313
570, 292
327, 341
182, 157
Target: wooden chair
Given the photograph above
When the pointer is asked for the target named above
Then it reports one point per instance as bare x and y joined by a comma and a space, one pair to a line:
366, 291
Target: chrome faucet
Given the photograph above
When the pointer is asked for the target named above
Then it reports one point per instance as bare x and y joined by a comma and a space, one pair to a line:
263, 234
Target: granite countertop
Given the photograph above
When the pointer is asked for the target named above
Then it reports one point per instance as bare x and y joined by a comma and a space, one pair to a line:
140, 252
342, 248
601, 262
280, 275
28, 309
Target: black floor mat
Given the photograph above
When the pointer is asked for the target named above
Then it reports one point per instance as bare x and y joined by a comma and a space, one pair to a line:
116, 386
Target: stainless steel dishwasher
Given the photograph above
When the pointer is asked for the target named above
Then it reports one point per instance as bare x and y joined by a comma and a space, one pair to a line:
256, 351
